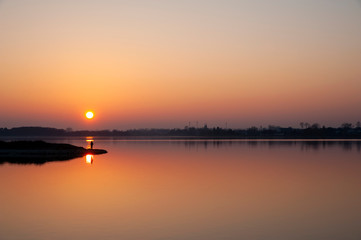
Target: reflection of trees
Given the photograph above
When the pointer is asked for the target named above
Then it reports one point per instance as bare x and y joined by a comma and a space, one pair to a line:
317, 145
303, 145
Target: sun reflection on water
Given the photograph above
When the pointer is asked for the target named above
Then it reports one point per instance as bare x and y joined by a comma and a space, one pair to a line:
89, 159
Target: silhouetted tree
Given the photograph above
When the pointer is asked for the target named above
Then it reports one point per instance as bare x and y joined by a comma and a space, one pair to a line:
274, 128
315, 126
302, 124
252, 130
358, 124
346, 125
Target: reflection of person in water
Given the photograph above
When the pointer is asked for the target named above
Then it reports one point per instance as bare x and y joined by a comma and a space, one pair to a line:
91, 145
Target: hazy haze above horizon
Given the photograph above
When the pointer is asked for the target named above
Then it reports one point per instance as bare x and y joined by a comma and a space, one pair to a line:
167, 63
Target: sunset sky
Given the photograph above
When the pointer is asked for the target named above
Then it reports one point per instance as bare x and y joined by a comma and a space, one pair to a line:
144, 64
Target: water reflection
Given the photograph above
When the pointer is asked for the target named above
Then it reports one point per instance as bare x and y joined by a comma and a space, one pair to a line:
89, 158
194, 190
304, 145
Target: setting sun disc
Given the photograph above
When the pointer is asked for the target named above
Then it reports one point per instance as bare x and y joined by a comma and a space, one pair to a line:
89, 115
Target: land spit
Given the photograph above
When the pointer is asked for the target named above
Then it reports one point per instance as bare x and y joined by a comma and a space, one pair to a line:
39, 152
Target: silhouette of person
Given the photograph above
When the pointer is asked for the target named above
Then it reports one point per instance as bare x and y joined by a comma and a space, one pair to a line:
91, 145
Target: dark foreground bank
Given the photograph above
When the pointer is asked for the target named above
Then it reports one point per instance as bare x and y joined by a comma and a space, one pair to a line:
40, 152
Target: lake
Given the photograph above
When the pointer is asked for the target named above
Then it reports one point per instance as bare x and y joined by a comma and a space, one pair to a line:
191, 190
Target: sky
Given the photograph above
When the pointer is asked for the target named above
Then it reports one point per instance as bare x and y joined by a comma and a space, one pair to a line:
168, 64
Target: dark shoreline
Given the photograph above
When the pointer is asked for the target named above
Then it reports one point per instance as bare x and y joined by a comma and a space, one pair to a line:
40, 152
346, 131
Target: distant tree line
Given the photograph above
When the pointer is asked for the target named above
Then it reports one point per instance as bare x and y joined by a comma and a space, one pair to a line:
306, 131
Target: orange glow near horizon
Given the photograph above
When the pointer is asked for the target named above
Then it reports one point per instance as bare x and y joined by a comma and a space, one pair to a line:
160, 67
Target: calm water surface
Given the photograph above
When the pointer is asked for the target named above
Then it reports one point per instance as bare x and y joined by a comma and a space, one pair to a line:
188, 190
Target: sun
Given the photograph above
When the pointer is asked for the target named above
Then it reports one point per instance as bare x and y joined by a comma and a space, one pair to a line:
89, 115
